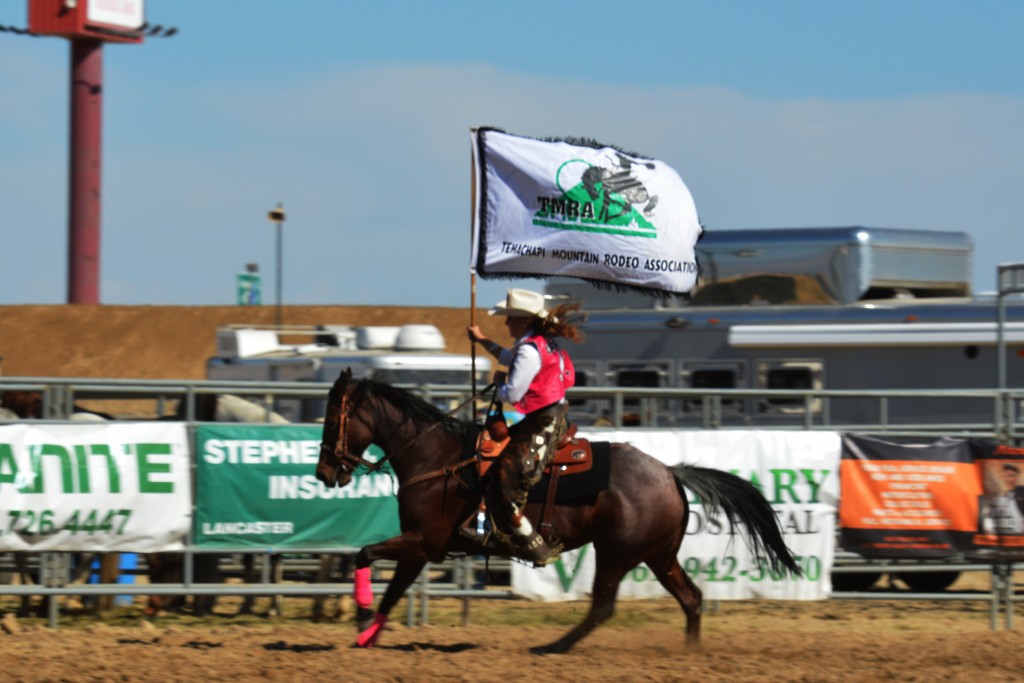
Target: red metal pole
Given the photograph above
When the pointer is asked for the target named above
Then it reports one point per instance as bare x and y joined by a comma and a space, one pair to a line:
84, 176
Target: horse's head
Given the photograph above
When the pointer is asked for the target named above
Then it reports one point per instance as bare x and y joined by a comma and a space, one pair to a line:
347, 434
376, 412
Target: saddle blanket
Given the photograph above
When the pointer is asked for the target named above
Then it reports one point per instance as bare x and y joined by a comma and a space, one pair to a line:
584, 485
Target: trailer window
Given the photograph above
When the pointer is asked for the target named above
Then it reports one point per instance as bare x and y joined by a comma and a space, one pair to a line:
582, 380
789, 378
639, 411
638, 378
712, 378
793, 376
587, 410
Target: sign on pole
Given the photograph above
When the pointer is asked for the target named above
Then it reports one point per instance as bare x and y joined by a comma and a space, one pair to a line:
249, 289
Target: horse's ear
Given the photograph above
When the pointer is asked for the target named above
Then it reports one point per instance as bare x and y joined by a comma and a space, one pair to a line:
341, 384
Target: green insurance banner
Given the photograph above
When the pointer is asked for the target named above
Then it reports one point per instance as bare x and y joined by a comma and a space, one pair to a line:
256, 486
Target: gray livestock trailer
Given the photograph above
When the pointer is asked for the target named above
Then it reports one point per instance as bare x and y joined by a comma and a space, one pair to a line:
805, 309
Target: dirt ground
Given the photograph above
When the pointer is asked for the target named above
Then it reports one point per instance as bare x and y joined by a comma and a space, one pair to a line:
745, 641
174, 342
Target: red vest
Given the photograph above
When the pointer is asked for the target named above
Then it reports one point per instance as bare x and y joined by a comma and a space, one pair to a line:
556, 375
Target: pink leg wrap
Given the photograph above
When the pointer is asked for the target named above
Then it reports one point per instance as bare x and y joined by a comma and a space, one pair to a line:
363, 592
368, 638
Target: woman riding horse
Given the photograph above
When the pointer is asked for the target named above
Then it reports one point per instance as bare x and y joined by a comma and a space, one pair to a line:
539, 374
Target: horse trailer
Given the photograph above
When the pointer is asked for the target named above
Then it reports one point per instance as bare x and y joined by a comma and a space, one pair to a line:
805, 309
406, 355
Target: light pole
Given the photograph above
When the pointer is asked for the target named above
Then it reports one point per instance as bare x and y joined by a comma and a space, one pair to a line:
277, 216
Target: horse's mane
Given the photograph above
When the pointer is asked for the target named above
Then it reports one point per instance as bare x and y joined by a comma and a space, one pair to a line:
413, 408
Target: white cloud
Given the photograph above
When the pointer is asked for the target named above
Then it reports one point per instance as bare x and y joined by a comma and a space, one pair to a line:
373, 167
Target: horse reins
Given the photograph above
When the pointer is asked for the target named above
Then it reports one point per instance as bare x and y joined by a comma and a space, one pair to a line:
452, 470
342, 454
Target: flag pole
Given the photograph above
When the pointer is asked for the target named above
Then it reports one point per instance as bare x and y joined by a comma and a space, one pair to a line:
472, 266
472, 321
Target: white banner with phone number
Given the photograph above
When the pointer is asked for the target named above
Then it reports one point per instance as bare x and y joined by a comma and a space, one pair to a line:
798, 473
94, 487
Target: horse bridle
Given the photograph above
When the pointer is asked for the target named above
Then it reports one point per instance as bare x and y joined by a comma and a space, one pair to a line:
340, 452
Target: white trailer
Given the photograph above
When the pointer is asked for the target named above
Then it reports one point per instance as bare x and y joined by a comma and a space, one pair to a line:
406, 355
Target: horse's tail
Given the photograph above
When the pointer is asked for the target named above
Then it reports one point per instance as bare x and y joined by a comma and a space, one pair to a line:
739, 500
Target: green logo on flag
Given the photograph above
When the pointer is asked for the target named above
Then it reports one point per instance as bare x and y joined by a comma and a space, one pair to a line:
599, 199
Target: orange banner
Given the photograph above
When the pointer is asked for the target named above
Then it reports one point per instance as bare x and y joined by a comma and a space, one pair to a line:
907, 499
909, 495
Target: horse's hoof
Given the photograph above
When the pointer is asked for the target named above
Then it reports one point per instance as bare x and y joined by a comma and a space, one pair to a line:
368, 637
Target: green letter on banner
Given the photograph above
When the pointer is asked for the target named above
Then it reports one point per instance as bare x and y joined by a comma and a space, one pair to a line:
148, 469
567, 579
8, 465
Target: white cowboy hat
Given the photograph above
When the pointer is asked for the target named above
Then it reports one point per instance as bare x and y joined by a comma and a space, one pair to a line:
520, 303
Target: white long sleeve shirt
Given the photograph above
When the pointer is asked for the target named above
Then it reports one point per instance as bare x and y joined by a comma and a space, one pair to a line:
523, 362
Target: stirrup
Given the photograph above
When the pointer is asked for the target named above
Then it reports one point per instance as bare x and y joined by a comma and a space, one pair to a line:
477, 527
487, 541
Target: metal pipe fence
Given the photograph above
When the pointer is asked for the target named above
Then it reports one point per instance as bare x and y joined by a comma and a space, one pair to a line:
60, 395
805, 409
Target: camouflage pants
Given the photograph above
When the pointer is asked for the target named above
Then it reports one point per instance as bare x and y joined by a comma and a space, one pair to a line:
520, 466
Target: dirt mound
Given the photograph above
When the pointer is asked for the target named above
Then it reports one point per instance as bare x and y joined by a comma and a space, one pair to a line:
763, 288
174, 342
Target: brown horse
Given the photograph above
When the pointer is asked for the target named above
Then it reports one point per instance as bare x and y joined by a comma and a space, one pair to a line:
641, 517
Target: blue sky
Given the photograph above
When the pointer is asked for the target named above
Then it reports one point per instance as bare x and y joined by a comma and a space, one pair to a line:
897, 113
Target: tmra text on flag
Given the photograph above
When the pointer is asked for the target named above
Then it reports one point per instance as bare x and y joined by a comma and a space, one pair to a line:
580, 210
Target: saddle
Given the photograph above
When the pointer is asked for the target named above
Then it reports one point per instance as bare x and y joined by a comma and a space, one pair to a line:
572, 455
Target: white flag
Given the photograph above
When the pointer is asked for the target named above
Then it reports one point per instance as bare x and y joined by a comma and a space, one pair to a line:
578, 210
